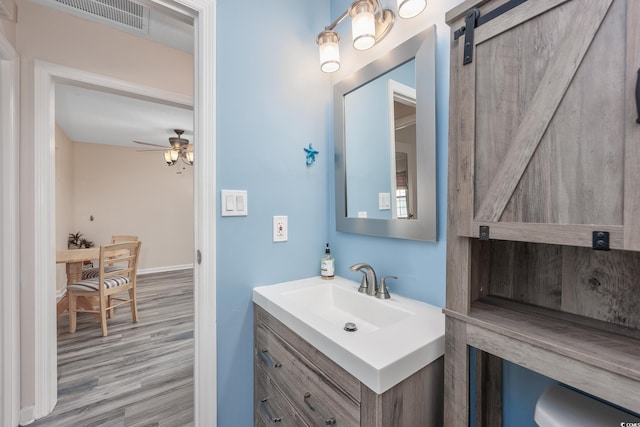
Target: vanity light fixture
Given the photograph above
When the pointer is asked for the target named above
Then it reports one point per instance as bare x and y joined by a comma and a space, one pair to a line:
329, 51
370, 23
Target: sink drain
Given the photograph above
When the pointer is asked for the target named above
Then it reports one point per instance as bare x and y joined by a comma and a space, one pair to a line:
350, 327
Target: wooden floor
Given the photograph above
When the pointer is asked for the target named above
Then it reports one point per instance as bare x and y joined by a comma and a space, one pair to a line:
139, 375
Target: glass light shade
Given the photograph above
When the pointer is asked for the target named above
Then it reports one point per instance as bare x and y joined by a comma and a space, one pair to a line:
329, 51
167, 157
189, 157
411, 8
174, 155
363, 29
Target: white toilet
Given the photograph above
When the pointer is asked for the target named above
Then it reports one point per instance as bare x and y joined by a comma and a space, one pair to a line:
561, 407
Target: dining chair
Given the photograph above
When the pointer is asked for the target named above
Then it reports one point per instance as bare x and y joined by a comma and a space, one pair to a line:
108, 285
123, 238
89, 273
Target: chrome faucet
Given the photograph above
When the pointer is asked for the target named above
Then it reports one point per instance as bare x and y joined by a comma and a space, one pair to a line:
369, 283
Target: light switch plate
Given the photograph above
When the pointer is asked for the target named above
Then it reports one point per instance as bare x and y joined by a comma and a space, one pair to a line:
384, 201
233, 203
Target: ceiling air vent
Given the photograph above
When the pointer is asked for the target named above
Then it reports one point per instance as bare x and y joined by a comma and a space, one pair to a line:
123, 12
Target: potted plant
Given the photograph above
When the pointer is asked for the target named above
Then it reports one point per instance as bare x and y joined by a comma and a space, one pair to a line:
77, 241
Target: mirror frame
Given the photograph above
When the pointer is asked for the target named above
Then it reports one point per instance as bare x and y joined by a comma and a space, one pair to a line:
422, 47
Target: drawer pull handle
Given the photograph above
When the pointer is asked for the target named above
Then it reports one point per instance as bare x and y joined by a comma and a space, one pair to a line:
265, 409
266, 359
328, 421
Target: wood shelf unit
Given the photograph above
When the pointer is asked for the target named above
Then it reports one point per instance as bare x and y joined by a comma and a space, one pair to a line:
544, 154
591, 355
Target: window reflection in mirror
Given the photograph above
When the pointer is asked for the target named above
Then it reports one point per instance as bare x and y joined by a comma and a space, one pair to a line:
380, 123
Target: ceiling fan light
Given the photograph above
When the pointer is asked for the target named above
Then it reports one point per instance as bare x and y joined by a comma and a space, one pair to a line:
167, 158
411, 8
189, 157
175, 154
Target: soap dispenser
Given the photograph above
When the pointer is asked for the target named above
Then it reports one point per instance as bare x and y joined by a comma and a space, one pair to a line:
327, 265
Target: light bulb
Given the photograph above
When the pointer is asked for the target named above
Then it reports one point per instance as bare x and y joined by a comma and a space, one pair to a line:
167, 158
363, 24
329, 51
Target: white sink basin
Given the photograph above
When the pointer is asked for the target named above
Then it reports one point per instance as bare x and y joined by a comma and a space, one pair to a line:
394, 338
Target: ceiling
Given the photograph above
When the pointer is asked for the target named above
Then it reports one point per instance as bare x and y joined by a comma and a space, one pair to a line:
87, 115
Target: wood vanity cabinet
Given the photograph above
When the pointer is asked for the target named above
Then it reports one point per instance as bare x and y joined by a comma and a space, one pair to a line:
543, 225
297, 385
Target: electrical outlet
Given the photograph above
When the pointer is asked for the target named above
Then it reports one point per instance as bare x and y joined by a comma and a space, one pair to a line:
280, 229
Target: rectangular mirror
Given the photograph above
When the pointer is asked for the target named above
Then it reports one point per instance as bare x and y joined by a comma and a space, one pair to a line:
385, 140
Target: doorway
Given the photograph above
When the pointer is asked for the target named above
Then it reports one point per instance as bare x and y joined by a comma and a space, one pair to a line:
39, 353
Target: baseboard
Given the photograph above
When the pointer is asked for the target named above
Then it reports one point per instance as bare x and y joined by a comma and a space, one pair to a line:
143, 271
27, 415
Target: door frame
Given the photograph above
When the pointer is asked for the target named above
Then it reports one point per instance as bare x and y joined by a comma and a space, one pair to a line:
9, 247
40, 231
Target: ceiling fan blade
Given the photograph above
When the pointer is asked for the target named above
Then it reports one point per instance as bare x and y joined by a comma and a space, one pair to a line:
155, 151
153, 145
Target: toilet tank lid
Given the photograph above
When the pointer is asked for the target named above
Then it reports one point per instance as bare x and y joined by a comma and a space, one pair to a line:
561, 407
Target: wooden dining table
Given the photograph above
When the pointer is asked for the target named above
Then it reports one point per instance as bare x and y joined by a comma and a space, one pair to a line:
74, 260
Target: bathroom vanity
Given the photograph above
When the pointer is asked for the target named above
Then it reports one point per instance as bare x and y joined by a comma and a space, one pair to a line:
543, 237
312, 372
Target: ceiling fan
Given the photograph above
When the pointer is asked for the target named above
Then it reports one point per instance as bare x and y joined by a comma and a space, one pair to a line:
179, 149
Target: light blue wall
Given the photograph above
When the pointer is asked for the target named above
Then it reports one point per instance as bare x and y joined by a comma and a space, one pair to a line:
521, 390
272, 101
367, 133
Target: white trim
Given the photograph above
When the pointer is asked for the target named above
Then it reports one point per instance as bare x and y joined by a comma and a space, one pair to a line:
26, 415
396, 90
9, 245
204, 190
143, 271
205, 368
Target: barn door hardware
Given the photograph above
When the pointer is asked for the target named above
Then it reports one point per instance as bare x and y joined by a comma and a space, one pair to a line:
600, 241
484, 232
473, 19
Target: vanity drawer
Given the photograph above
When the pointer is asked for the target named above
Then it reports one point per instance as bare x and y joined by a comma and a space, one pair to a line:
313, 393
338, 375
271, 406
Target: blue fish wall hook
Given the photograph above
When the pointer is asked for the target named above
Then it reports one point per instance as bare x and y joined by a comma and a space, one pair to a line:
311, 155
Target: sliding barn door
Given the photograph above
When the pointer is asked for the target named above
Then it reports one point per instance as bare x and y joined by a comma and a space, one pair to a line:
546, 124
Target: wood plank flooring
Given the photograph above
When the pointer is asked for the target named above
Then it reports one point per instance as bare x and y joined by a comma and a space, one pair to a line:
139, 375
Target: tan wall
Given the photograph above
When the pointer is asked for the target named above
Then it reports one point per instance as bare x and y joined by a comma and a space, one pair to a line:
130, 192
52, 36
64, 199
123, 189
